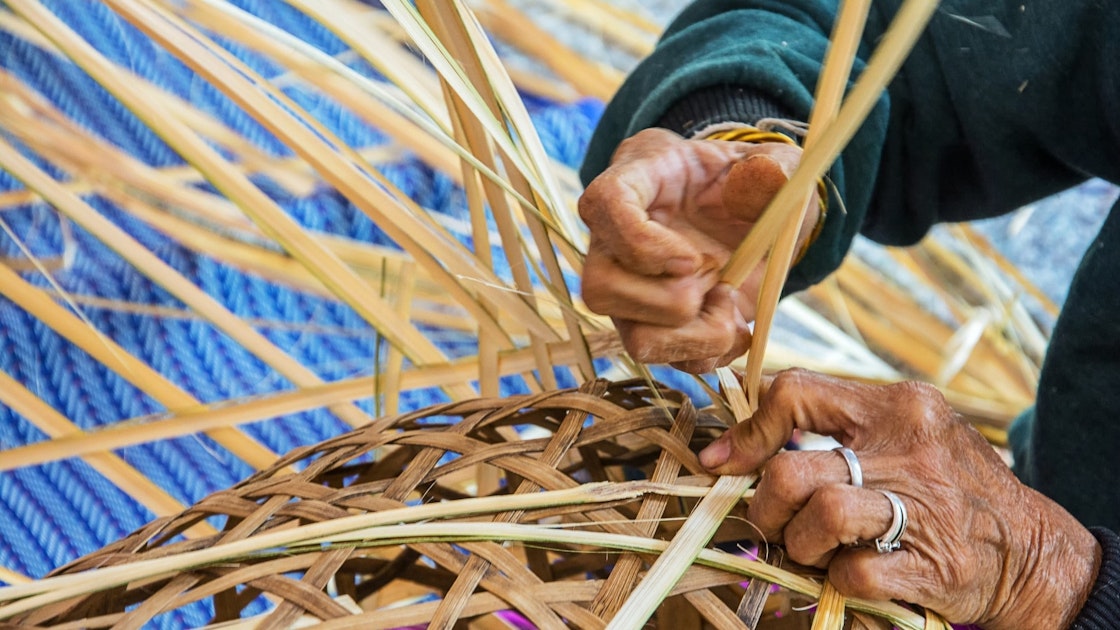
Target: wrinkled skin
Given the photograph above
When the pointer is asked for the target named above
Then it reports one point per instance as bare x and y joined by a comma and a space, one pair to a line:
980, 546
665, 218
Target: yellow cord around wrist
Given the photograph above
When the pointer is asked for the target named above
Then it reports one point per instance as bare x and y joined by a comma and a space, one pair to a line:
754, 135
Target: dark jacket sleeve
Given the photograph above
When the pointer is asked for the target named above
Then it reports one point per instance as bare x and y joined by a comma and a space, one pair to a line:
999, 104
1102, 610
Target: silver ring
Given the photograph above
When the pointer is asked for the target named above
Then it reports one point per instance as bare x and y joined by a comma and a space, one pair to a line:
892, 540
854, 469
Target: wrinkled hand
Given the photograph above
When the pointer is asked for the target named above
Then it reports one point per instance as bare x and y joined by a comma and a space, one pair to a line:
980, 547
665, 218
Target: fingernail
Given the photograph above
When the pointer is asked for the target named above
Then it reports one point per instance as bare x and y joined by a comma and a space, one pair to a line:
716, 454
680, 266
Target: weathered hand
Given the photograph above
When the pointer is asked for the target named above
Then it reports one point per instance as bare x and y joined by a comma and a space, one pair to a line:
980, 547
664, 220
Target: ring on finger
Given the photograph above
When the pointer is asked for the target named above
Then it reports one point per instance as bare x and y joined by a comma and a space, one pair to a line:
854, 469
892, 539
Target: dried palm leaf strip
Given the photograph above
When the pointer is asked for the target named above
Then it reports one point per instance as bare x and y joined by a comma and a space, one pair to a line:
552, 223
397, 215
230, 413
515, 28
630, 30
118, 360
164, 275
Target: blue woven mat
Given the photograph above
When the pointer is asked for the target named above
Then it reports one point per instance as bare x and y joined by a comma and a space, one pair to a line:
52, 513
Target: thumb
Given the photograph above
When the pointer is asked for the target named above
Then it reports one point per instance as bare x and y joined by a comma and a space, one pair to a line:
794, 399
751, 184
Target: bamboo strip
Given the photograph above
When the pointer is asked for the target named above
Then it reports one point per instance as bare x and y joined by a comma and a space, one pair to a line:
629, 30
895, 44
635, 18
252, 158
395, 214
977, 240
11, 577
830, 609
211, 62
230, 413
835, 72
453, 37
553, 219
987, 373
686, 547
389, 380
515, 28
560, 217
115, 358
351, 530
424, 135
149, 264
97, 160
469, 577
423, 38
621, 580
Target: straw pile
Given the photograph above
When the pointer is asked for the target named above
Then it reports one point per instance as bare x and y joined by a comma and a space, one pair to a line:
474, 308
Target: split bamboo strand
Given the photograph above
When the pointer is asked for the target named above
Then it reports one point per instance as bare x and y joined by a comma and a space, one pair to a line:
231, 413
38, 304
405, 223
164, 275
834, 76
908, 24
27, 596
693, 536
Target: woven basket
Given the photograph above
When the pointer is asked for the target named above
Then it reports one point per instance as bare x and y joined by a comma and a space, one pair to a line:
601, 433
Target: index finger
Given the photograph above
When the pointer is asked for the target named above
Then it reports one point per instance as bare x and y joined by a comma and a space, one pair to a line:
615, 207
797, 399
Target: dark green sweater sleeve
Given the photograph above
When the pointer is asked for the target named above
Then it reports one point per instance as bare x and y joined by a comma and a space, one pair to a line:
999, 104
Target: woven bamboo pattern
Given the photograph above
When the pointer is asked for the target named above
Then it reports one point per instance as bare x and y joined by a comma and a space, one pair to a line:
599, 433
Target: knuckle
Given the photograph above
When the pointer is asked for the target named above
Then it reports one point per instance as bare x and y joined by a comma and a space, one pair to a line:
855, 576
921, 403
590, 203
785, 475
832, 503
787, 386
799, 550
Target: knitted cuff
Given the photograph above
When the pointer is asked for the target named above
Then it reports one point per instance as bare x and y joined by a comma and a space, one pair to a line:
712, 106
1102, 609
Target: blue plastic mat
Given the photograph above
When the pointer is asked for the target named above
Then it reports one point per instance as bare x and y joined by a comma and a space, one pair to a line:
52, 513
